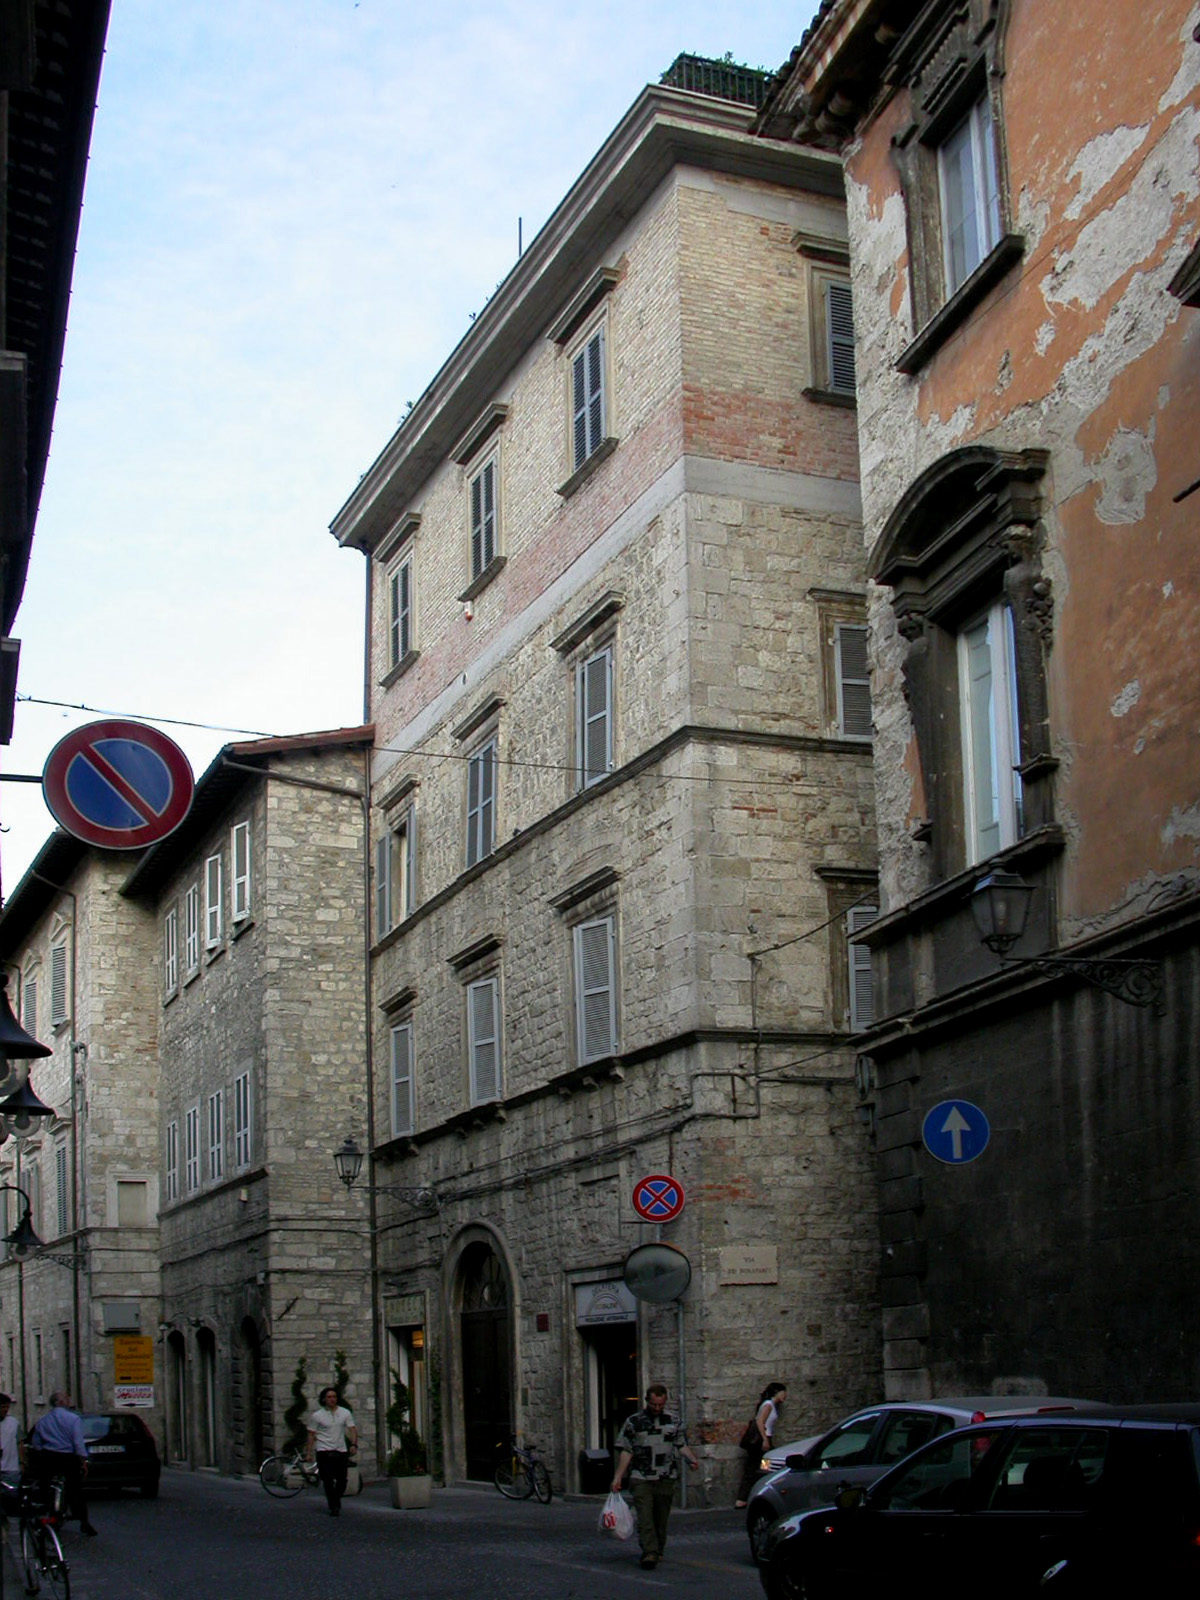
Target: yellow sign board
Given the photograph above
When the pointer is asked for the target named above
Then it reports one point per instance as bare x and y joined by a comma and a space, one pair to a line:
133, 1358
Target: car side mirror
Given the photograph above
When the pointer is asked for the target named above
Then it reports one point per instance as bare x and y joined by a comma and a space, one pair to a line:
797, 1463
850, 1497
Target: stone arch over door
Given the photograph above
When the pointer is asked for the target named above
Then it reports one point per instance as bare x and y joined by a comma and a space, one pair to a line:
482, 1325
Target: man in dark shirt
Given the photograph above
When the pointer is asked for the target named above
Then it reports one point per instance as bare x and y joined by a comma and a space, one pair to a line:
649, 1447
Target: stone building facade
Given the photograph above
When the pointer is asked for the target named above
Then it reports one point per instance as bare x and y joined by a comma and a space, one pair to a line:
257, 903
1024, 209
621, 811
80, 976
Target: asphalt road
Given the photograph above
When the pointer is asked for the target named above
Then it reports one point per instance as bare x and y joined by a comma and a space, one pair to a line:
226, 1539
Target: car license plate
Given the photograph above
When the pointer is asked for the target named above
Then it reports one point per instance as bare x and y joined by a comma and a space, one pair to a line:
106, 1449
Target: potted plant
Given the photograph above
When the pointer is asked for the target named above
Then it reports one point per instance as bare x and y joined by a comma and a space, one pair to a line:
408, 1463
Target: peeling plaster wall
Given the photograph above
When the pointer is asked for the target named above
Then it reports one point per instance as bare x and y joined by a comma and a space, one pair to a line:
1079, 350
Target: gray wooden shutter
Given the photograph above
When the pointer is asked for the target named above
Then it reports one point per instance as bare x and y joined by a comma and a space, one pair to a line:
594, 977
862, 982
484, 1041
853, 681
839, 327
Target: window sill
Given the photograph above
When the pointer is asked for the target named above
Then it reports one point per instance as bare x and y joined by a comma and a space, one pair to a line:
964, 300
493, 570
242, 926
577, 479
407, 660
831, 397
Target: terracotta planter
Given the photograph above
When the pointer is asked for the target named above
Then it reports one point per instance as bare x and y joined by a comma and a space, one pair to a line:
412, 1494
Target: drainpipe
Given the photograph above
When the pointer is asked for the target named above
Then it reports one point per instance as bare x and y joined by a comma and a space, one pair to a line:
369, 1054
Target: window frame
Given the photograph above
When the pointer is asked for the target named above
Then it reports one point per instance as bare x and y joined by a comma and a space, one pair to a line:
585, 717
484, 523
191, 931
489, 983
243, 1122
585, 991
1003, 731
984, 183
845, 679
171, 952
240, 872
406, 1124
400, 609
395, 850
216, 1135
214, 901
481, 815
191, 1149
59, 996
171, 1161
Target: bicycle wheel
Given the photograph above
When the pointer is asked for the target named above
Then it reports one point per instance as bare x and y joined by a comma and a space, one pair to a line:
513, 1482
31, 1565
54, 1568
281, 1476
541, 1483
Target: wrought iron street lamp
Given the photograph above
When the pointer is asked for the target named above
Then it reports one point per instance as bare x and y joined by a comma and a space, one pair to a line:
21, 1105
349, 1160
1000, 906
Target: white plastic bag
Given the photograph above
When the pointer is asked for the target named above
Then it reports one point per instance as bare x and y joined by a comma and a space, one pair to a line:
616, 1518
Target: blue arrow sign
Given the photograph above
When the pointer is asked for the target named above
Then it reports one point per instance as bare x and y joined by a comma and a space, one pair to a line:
955, 1131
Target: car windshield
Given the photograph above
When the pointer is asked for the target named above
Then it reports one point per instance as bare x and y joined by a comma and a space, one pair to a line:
934, 1482
846, 1446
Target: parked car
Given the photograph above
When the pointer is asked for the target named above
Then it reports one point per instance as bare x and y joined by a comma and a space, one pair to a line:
122, 1453
863, 1447
1100, 1502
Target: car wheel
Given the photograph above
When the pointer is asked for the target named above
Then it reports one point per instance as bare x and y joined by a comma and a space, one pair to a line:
786, 1581
757, 1525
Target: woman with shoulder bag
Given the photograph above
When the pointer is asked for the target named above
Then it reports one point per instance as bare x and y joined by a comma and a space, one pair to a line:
756, 1441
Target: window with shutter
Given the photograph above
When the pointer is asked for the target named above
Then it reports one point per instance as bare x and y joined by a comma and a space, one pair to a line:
58, 984
216, 1135
170, 951
29, 1006
400, 613
395, 859
172, 1161
990, 732
853, 681
595, 997
242, 1125
481, 803
861, 982
969, 189
483, 518
587, 399
483, 1039
240, 856
62, 1189
594, 718
213, 908
191, 930
402, 1080
191, 1141
839, 330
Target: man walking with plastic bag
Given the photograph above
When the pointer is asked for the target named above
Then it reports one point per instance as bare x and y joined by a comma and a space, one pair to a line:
649, 1447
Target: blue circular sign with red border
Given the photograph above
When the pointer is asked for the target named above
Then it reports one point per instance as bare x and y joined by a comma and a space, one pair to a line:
118, 785
658, 1198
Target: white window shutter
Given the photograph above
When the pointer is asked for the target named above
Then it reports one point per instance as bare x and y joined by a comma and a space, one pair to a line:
483, 1008
58, 984
862, 982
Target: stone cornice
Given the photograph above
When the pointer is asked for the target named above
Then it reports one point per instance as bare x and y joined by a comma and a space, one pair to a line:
664, 128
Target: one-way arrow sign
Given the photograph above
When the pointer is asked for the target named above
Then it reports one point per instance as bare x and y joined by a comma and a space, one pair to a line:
955, 1131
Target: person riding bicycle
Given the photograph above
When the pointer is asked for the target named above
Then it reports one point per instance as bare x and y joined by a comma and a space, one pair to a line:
57, 1449
331, 1430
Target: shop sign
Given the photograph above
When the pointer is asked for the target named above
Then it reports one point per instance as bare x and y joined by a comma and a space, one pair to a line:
597, 1304
133, 1359
748, 1263
133, 1394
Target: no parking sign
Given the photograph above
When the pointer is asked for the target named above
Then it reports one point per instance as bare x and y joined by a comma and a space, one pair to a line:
118, 785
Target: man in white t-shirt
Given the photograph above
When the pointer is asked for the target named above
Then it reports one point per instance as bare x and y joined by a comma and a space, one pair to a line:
332, 1435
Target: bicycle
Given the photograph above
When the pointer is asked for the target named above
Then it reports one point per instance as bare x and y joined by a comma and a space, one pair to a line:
41, 1554
286, 1474
519, 1474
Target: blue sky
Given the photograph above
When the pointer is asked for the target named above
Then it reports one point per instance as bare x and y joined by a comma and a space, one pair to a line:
292, 209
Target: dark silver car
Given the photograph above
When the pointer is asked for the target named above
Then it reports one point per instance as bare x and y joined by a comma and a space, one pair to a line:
865, 1446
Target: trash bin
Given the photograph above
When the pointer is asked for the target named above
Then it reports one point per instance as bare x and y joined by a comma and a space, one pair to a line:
595, 1471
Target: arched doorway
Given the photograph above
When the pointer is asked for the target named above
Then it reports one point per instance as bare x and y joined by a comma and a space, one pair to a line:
486, 1357
248, 1395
